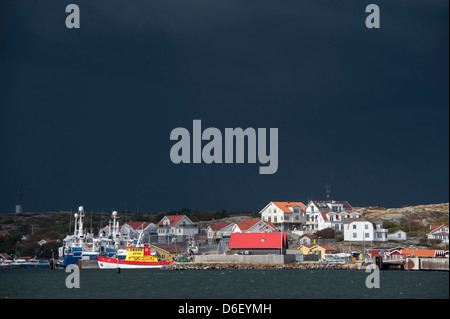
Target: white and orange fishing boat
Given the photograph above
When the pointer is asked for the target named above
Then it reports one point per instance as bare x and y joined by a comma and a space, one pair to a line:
137, 256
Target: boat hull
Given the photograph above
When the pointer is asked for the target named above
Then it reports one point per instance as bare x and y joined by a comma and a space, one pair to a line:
113, 263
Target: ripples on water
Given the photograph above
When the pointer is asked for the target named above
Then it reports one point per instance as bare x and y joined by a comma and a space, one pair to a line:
232, 284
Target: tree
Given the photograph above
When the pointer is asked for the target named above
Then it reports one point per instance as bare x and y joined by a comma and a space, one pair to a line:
326, 233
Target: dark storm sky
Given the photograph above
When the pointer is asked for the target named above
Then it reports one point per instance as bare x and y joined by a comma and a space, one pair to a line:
86, 113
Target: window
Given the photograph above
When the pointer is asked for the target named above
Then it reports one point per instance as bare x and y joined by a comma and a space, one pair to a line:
354, 226
367, 235
366, 226
354, 235
275, 219
399, 235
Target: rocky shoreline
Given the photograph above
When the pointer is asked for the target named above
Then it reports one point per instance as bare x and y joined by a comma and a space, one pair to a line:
246, 266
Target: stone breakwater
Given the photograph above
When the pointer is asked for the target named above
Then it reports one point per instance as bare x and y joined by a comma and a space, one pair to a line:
241, 266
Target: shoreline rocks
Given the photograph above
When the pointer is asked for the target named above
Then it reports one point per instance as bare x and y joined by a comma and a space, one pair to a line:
243, 266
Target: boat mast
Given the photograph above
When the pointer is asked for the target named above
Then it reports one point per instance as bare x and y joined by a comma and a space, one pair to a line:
80, 221
75, 225
115, 229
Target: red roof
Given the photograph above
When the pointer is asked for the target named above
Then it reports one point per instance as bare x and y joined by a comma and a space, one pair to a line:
219, 226
419, 252
247, 224
137, 225
285, 206
5, 256
326, 247
174, 219
257, 240
433, 227
270, 224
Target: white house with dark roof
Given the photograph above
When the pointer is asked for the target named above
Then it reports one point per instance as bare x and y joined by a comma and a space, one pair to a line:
132, 230
364, 229
328, 214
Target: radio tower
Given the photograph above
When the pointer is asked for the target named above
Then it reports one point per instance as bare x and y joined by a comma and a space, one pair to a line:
19, 207
328, 188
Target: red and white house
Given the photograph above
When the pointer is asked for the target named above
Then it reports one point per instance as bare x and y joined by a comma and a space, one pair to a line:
4, 256
220, 230
258, 243
284, 215
175, 227
47, 241
253, 226
328, 214
439, 232
375, 251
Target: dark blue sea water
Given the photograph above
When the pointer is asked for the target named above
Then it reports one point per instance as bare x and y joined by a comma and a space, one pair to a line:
228, 284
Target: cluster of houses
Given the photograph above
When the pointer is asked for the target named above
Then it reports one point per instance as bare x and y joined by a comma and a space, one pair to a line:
265, 234
398, 252
318, 215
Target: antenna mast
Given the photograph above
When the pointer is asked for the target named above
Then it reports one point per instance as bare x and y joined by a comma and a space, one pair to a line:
328, 188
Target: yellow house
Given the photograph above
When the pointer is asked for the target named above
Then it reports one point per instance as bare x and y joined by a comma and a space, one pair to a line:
322, 250
317, 250
306, 249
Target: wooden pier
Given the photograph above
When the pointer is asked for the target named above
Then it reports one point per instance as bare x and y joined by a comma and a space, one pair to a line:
384, 263
412, 263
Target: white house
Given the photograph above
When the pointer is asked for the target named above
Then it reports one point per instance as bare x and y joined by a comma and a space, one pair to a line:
46, 241
439, 232
253, 226
328, 214
398, 235
308, 240
131, 230
284, 215
219, 231
175, 227
364, 229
